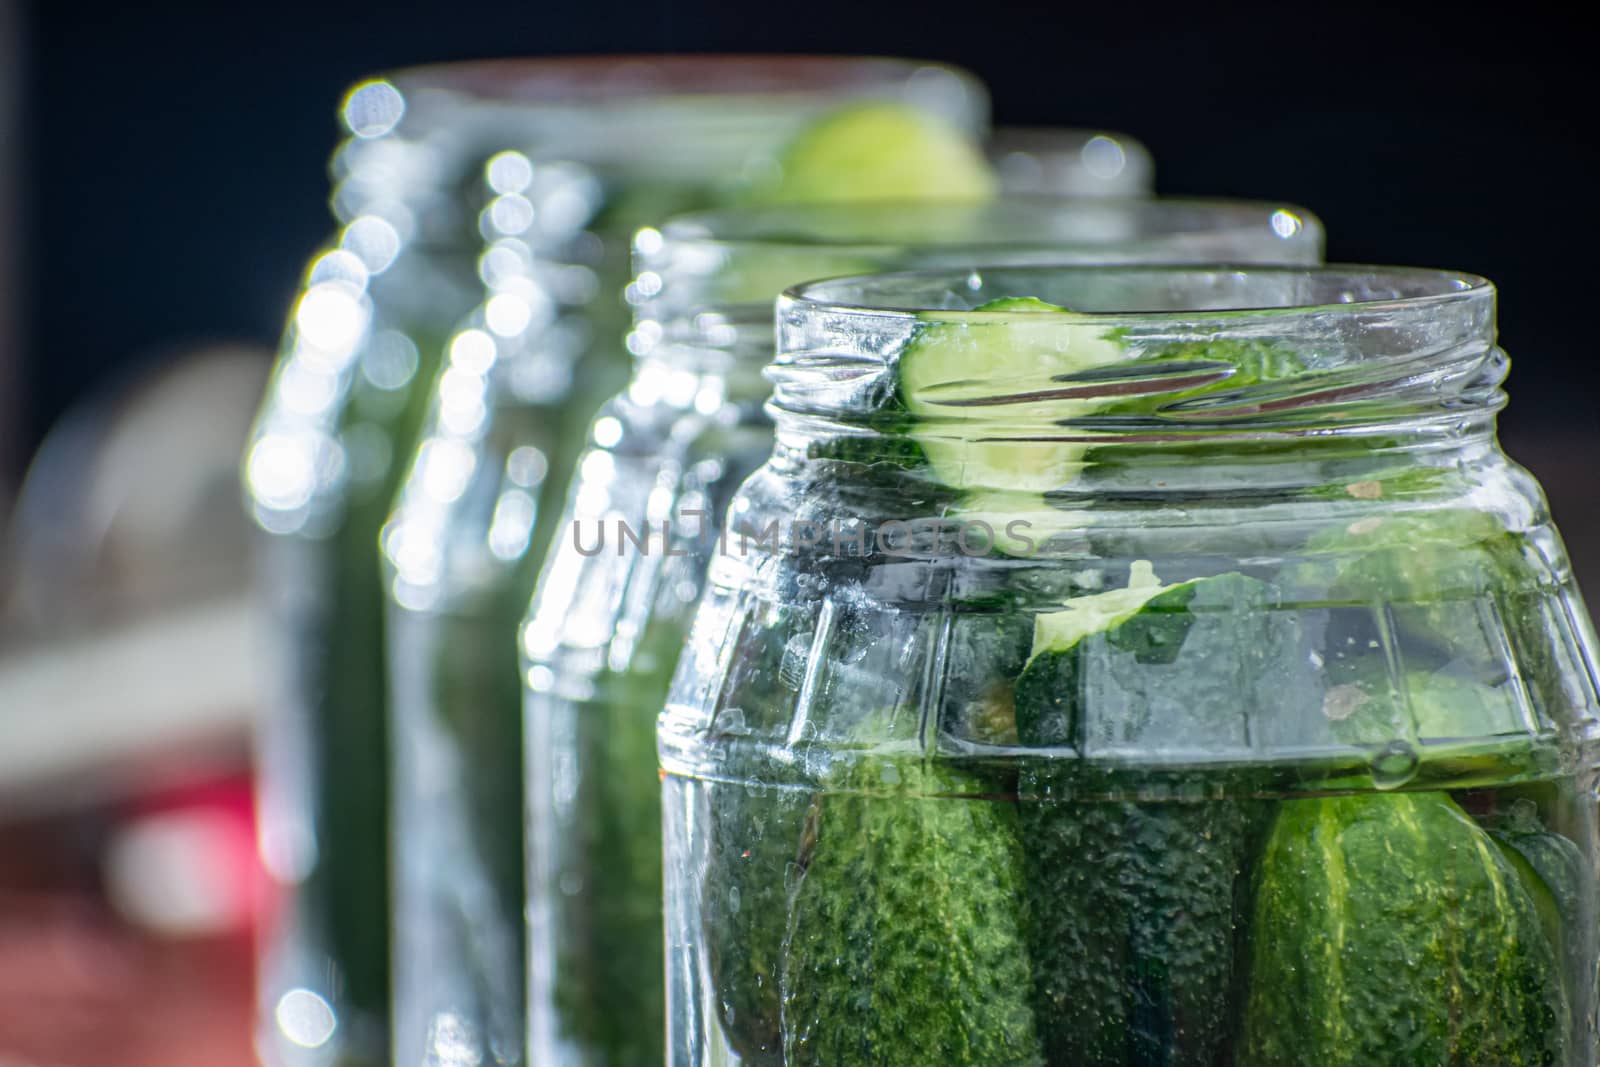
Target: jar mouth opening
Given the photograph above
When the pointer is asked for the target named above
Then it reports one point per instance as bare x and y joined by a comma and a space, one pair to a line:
1147, 296
1237, 350
622, 77
1019, 228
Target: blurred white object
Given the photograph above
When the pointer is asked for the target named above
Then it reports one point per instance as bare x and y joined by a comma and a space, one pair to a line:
1059, 161
129, 635
180, 687
131, 503
178, 872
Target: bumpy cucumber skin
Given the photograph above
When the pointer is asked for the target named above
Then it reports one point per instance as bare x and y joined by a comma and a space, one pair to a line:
754, 849
906, 939
754, 844
1133, 927
1552, 868
1389, 929
1134, 905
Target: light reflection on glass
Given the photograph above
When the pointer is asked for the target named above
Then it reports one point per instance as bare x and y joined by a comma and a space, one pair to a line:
445, 467
510, 214
281, 470
646, 284
512, 524
607, 431
1103, 157
527, 466
390, 360
373, 108
540, 678
509, 172
1285, 223
331, 316
306, 388
472, 351
1060, 161
507, 314
373, 239
647, 242
339, 265
503, 261
305, 1018
453, 1042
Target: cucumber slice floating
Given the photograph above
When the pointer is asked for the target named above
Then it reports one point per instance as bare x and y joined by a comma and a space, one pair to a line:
965, 382
1087, 615
877, 151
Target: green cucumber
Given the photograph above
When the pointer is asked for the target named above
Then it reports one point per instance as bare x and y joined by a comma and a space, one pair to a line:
1134, 904
877, 151
1390, 929
906, 934
1553, 870
953, 379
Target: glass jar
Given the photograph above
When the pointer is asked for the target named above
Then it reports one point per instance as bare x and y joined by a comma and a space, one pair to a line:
1068, 162
619, 143
614, 602
1184, 678
340, 413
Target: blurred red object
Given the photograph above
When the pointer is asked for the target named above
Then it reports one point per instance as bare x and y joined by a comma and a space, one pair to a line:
127, 935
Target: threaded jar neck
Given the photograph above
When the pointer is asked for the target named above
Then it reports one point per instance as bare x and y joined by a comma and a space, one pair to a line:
704, 283
420, 138
1158, 359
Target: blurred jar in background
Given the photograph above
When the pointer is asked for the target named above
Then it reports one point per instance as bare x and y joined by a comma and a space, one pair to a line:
614, 603
513, 186
338, 419
1070, 162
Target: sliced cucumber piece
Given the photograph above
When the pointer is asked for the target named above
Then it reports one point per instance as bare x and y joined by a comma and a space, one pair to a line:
877, 151
966, 381
1085, 615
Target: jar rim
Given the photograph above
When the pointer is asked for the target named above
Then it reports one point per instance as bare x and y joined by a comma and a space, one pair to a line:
611, 109
1008, 225
623, 76
1396, 290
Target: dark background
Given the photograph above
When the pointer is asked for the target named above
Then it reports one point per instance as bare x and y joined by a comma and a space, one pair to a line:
176, 171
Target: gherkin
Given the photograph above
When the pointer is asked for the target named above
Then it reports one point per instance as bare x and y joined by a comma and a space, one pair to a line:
906, 935
754, 838
1134, 904
753, 843
1390, 929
